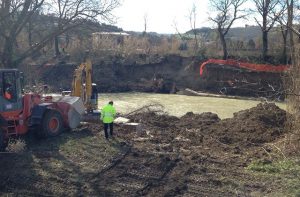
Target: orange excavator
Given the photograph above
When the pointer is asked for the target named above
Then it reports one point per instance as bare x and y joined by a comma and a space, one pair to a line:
19, 112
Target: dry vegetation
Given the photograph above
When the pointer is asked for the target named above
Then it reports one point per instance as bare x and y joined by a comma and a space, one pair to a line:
149, 44
144, 44
292, 143
16, 146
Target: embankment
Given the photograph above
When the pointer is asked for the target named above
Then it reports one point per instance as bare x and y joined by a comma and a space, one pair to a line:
160, 74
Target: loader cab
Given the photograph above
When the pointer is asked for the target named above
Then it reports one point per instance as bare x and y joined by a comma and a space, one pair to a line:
10, 90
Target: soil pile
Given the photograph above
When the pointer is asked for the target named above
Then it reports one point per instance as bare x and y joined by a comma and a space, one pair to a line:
151, 119
210, 149
260, 124
191, 120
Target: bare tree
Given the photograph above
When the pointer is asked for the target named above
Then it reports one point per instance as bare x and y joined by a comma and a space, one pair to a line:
67, 14
14, 16
290, 9
287, 20
192, 19
175, 26
228, 11
283, 21
270, 11
145, 23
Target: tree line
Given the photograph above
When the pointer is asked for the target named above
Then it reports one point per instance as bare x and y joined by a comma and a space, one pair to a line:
28, 18
267, 14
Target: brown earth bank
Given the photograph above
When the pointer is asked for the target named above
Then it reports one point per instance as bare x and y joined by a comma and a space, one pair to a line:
195, 155
162, 74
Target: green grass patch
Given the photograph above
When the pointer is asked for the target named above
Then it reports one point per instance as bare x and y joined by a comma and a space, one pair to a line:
276, 167
284, 173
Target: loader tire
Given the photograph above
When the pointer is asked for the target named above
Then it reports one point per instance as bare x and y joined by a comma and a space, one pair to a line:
52, 124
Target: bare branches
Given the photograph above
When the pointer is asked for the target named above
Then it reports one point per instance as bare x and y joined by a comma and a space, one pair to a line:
270, 11
14, 17
153, 107
82, 9
192, 20
145, 22
66, 14
227, 12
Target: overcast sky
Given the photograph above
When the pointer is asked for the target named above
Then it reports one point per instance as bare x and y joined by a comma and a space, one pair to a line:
162, 15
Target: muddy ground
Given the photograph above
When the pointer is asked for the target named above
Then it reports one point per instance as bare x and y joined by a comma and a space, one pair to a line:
195, 155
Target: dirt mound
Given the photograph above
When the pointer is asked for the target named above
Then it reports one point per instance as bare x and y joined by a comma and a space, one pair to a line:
260, 124
191, 120
154, 120
211, 149
164, 121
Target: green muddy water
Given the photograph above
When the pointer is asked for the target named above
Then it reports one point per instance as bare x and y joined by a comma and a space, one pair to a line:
179, 105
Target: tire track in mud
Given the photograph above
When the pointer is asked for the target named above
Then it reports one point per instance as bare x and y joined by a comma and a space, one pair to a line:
115, 162
155, 183
146, 171
135, 173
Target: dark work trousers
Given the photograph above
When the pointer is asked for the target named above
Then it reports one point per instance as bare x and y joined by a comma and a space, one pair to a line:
111, 128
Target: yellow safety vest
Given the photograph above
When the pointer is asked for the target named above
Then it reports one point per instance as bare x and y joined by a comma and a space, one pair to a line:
108, 114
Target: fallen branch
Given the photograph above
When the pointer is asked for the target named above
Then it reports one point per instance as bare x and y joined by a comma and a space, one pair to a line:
156, 108
280, 151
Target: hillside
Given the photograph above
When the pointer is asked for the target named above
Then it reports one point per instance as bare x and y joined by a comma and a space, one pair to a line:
236, 33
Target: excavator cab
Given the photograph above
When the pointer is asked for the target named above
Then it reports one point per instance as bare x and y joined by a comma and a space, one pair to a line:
94, 96
10, 90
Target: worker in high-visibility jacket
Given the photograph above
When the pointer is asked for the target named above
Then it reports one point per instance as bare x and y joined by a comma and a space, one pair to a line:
108, 114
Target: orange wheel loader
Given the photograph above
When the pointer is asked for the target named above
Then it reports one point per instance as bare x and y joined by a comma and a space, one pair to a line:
46, 116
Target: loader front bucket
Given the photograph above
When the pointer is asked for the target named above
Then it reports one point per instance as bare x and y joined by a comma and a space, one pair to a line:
72, 108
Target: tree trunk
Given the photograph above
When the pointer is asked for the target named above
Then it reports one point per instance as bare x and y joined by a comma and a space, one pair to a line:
196, 41
224, 46
284, 51
7, 55
265, 45
56, 47
265, 30
290, 32
30, 33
